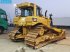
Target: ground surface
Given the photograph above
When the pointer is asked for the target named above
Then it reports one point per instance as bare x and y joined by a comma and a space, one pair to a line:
7, 45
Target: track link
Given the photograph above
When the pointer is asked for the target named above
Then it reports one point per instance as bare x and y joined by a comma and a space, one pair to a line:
36, 40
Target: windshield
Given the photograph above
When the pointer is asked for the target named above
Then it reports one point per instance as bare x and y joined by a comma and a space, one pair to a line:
3, 16
23, 12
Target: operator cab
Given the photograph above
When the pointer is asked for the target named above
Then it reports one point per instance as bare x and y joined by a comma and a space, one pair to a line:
32, 10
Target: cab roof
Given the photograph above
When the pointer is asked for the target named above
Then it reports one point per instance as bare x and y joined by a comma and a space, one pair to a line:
26, 4
2, 12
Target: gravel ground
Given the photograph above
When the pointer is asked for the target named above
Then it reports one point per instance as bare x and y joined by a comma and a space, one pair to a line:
6, 45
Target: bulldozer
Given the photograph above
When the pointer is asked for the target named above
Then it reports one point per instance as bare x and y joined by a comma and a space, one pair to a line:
34, 28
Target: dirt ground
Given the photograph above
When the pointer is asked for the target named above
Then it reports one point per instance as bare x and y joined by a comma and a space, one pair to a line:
6, 45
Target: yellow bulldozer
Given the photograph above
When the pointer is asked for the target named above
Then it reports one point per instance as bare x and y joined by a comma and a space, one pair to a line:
34, 28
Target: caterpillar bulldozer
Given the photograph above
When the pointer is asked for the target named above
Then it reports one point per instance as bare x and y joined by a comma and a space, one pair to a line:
34, 28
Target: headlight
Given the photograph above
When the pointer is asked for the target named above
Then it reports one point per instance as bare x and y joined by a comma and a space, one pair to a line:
34, 19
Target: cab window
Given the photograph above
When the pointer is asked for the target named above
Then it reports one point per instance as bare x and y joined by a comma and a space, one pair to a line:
27, 12
38, 11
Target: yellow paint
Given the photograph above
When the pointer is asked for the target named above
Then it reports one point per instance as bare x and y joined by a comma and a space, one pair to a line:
28, 21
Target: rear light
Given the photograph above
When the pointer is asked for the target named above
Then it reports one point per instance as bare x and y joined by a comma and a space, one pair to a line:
34, 19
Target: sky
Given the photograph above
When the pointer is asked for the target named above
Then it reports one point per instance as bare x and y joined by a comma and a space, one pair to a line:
5, 1
59, 9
